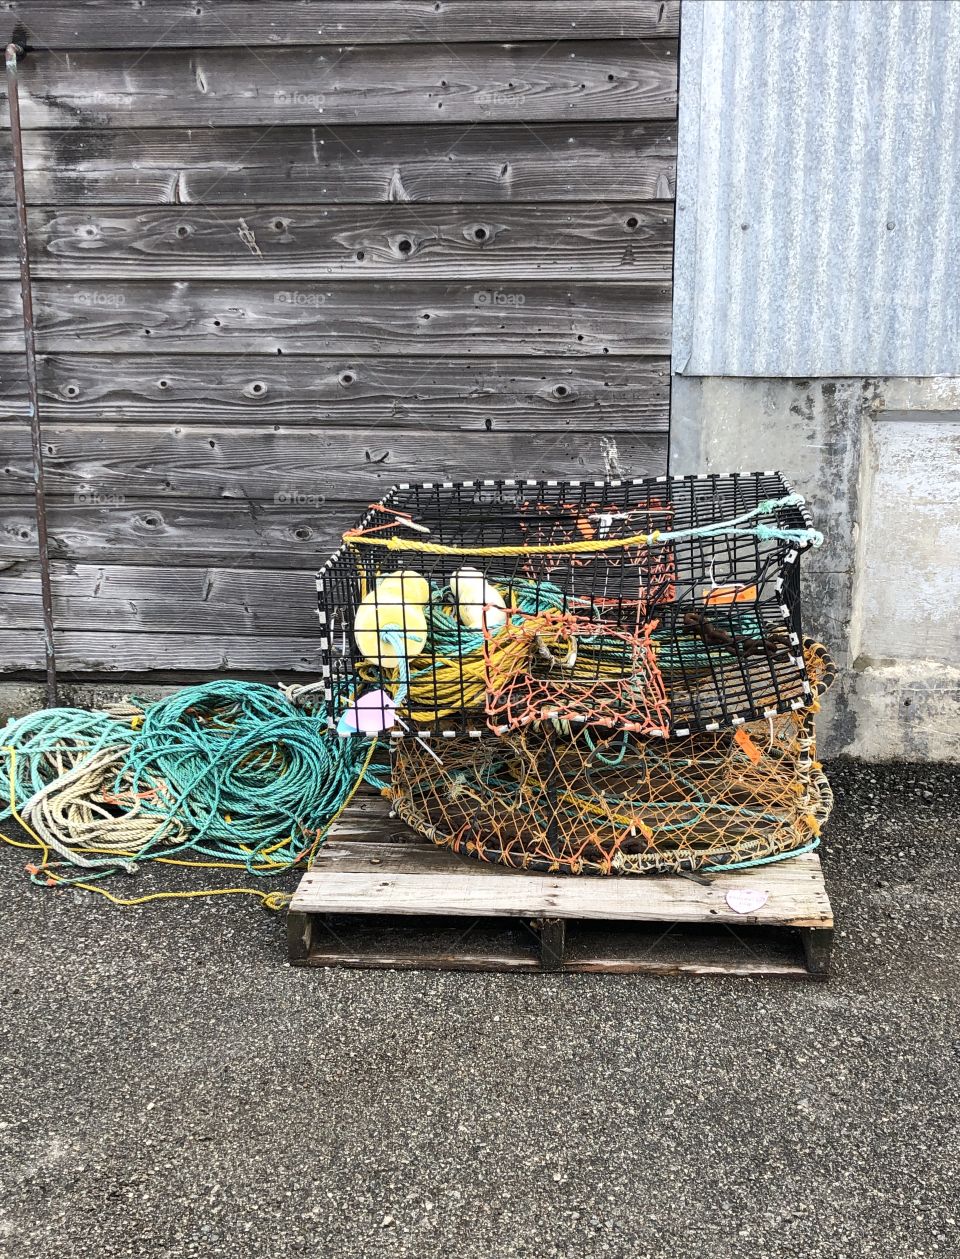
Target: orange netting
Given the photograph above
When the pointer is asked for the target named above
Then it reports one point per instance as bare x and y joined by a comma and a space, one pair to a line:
555, 665
572, 800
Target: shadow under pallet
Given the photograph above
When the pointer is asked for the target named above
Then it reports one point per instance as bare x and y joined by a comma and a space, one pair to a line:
379, 896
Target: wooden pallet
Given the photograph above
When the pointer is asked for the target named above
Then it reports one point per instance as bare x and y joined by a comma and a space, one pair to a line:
377, 895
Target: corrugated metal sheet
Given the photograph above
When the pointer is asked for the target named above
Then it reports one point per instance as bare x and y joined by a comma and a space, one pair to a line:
818, 199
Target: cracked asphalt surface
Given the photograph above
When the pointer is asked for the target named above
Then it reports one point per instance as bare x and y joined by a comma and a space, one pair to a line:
170, 1087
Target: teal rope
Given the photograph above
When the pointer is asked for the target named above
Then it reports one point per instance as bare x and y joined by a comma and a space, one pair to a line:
763, 861
450, 637
37, 736
738, 526
241, 751
247, 771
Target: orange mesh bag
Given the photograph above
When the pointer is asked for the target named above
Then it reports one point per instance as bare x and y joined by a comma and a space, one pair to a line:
557, 666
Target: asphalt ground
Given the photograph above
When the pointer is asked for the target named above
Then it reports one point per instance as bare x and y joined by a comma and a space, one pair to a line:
170, 1087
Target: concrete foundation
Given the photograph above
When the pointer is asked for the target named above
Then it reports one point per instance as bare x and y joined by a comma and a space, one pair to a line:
19, 698
879, 463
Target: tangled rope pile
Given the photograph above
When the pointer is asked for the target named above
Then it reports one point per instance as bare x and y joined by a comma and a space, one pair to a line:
454, 675
227, 775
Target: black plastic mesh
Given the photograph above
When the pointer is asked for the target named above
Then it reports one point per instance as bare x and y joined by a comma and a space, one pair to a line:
718, 662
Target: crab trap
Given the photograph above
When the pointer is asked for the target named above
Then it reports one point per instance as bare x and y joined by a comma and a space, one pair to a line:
659, 607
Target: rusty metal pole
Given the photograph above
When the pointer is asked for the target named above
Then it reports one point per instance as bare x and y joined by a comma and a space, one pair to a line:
14, 51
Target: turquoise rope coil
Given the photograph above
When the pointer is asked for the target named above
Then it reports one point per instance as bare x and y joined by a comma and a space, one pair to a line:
449, 637
41, 738
232, 771
241, 751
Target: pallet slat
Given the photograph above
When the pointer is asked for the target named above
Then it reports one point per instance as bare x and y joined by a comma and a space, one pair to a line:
422, 879
378, 896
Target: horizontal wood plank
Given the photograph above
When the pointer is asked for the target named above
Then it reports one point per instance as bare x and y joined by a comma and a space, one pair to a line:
350, 165
417, 879
607, 80
583, 395
76, 24
129, 530
597, 241
103, 651
695, 960
109, 462
11, 328
675, 956
13, 385
261, 316
147, 598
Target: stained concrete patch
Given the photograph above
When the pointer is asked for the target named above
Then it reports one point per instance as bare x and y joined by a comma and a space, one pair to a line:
878, 461
169, 1087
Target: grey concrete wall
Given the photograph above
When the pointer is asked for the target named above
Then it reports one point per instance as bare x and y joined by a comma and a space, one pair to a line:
879, 463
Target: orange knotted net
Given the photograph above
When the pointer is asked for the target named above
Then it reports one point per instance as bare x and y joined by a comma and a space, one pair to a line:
573, 799
557, 666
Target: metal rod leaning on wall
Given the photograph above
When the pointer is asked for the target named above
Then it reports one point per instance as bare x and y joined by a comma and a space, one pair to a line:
14, 51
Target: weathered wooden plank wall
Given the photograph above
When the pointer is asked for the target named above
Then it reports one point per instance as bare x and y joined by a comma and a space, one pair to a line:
286, 254
94, 24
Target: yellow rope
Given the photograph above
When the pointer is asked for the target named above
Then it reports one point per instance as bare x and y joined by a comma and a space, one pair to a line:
270, 900
555, 548
445, 686
719, 528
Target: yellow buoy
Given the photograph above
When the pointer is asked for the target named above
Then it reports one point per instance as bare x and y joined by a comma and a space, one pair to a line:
413, 587
479, 605
389, 627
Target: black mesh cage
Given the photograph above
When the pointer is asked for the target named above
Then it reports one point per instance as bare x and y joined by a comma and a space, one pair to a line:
662, 606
